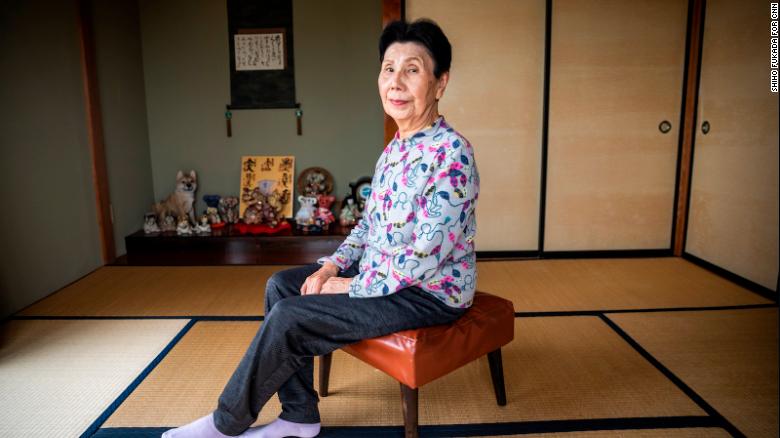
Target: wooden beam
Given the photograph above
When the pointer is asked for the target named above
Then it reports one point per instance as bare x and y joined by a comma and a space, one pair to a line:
689, 125
95, 131
392, 10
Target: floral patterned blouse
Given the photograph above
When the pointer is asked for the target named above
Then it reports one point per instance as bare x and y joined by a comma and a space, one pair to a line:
418, 225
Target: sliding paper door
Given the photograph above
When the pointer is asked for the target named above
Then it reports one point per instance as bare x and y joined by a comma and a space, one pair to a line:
616, 76
733, 220
494, 98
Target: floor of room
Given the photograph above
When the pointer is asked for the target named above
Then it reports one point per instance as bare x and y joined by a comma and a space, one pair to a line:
646, 347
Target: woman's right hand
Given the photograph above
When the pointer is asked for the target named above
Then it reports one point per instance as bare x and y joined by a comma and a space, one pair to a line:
314, 282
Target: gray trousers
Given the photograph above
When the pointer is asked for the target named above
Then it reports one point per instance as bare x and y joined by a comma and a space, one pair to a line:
296, 328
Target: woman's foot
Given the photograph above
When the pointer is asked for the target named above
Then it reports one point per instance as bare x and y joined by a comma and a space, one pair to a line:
280, 428
200, 428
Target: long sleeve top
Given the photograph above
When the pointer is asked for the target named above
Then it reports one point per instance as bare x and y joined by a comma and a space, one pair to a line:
418, 225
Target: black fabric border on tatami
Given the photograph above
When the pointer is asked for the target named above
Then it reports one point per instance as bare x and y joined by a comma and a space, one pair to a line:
720, 420
463, 430
194, 318
594, 312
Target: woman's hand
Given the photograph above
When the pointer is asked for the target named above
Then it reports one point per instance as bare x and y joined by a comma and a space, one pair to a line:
314, 282
336, 285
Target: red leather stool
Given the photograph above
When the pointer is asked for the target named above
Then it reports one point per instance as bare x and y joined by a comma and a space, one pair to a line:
416, 357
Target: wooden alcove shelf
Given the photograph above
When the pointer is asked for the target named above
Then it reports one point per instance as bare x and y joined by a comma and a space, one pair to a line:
226, 246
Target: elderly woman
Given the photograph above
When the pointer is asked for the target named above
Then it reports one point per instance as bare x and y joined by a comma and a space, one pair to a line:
408, 263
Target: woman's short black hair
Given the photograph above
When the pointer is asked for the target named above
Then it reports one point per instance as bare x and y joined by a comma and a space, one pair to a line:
423, 31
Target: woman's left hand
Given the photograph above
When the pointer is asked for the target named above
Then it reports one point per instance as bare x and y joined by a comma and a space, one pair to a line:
336, 285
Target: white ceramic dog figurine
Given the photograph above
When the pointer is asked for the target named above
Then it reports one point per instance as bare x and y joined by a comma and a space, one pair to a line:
150, 223
183, 228
203, 226
181, 202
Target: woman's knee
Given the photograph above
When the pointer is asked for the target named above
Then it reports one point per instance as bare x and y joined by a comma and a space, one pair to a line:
273, 290
273, 281
283, 317
282, 277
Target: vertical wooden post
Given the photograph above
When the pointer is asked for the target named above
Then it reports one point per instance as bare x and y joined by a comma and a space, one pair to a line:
695, 35
95, 130
391, 11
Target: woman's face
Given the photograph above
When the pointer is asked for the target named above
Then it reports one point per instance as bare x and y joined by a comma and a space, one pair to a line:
407, 86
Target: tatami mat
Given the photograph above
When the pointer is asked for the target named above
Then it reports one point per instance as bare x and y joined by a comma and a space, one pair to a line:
730, 358
556, 368
57, 377
600, 284
161, 291
647, 433
533, 286
187, 383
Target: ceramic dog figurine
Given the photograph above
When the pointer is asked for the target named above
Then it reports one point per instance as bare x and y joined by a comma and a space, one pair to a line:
183, 227
168, 224
150, 223
203, 226
181, 201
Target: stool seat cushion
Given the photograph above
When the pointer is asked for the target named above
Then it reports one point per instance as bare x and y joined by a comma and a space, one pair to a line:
416, 357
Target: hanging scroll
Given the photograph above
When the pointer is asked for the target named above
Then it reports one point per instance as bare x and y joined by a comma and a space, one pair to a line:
261, 54
260, 49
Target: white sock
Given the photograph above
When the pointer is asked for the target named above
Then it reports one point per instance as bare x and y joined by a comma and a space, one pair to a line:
280, 428
201, 428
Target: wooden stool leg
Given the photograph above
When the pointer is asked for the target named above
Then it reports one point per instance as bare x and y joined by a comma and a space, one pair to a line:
497, 375
409, 405
325, 360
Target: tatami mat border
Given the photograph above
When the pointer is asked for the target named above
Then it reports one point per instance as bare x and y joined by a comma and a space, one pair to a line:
739, 280
95, 426
517, 314
463, 430
194, 318
649, 310
687, 390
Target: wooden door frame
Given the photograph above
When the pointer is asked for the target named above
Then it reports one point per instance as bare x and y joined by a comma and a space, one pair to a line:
693, 48
95, 131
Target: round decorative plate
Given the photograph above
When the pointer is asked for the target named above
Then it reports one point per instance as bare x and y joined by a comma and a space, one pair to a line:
315, 181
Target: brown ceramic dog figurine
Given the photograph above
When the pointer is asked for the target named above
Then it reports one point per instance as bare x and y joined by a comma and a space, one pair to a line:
180, 202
